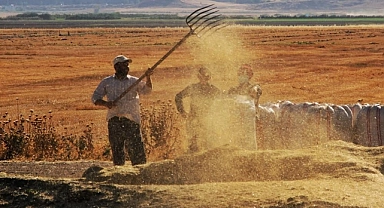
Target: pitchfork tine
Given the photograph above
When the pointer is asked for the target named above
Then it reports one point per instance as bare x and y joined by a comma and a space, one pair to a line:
206, 16
217, 27
210, 23
213, 29
199, 10
202, 17
197, 14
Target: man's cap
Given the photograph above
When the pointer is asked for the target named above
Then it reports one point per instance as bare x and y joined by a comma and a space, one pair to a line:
120, 59
246, 69
204, 72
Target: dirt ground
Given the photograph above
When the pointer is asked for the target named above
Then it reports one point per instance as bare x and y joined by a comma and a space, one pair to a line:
335, 174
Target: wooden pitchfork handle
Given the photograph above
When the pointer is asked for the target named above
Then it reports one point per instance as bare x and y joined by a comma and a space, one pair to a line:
201, 21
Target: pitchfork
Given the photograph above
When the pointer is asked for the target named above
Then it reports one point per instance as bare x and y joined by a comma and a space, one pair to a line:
199, 22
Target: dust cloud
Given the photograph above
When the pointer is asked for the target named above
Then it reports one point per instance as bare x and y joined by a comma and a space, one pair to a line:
223, 52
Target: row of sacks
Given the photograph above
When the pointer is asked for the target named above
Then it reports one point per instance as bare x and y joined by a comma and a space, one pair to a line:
288, 125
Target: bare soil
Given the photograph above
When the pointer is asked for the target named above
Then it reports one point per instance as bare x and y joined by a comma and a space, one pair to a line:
59, 169
335, 174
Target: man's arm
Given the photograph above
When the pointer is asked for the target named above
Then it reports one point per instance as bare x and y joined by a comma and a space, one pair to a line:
104, 103
149, 82
179, 101
148, 74
256, 97
98, 95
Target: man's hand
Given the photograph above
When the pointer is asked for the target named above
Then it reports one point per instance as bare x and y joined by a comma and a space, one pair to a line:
149, 72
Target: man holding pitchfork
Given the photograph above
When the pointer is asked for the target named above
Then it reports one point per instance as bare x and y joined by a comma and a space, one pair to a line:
124, 114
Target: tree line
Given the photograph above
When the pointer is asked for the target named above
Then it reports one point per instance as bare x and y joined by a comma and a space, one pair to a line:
129, 2
88, 16
117, 15
309, 16
66, 2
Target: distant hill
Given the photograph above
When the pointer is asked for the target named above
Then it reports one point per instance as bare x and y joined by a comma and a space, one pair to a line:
353, 7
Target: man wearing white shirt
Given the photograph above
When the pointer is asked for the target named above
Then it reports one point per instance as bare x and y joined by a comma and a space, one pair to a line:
123, 116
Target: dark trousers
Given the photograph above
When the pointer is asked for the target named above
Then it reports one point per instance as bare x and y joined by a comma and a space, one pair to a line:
124, 133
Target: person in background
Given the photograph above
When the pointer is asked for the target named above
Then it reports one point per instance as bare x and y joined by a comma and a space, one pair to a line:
123, 116
246, 98
202, 95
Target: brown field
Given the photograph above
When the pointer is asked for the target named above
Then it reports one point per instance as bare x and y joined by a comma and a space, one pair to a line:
43, 71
